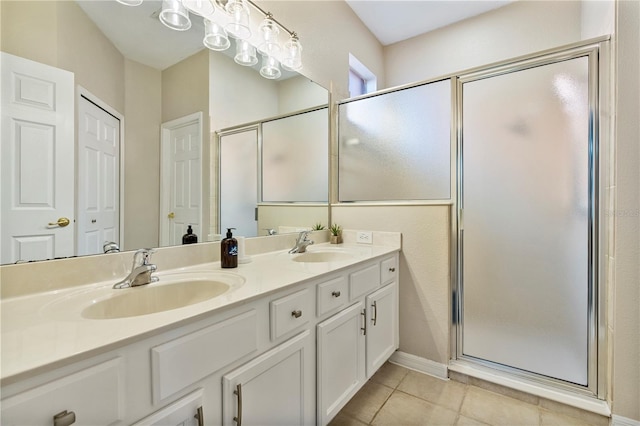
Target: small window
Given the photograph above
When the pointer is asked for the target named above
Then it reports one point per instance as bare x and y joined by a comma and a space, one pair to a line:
361, 79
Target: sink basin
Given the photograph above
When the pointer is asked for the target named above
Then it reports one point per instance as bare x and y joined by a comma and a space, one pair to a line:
173, 291
323, 256
155, 298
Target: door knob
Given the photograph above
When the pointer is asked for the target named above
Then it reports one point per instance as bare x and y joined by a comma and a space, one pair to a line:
62, 222
171, 215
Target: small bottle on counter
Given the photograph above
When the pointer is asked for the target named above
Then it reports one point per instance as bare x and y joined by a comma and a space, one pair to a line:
229, 251
189, 237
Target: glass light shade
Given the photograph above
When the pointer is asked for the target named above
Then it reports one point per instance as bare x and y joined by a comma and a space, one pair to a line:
130, 2
174, 15
292, 58
239, 25
270, 68
245, 54
215, 37
199, 7
269, 31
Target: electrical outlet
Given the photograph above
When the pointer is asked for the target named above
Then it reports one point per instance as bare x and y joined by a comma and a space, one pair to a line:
364, 237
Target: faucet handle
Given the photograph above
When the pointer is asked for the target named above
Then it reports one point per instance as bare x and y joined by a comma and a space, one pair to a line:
143, 254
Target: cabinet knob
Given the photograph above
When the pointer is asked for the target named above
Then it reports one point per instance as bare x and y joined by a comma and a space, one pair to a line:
64, 418
335, 293
392, 269
297, 313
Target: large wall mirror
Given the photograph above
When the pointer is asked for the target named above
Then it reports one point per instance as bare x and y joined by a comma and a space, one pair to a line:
153, 97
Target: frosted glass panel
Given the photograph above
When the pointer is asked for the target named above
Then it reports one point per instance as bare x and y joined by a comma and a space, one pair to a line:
525, 245
396, 146
295, 156
239, 182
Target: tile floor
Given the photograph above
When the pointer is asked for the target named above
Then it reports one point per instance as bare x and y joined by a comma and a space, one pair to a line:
398, 396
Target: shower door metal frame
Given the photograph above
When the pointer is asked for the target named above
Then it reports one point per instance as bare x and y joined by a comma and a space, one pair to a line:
597, 51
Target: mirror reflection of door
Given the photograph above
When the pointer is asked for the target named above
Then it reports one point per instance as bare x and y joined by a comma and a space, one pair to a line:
239, 181
181, 171
37, 204
98, 176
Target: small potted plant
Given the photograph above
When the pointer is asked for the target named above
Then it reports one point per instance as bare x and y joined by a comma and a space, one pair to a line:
318, 227
336, 234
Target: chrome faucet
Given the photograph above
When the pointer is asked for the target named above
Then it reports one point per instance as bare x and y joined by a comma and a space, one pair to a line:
110, 247
301, 243
140, 271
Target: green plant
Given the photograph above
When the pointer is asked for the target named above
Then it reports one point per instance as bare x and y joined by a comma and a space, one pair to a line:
335, 229
318, 227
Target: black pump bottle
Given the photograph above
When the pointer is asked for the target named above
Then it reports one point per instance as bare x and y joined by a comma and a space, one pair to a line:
229, 251
189, 237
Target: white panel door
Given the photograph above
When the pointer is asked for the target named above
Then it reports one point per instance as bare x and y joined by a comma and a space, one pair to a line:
98, 178
37, 161
341, 360
382, 330
181, 192
275, 389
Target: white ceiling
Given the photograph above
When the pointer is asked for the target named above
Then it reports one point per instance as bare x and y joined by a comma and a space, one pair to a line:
392, 21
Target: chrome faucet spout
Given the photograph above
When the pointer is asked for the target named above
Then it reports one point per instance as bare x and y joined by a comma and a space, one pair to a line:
301, 243
141, 270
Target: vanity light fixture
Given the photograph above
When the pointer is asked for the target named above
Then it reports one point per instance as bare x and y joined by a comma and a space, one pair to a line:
235, 23
130, 2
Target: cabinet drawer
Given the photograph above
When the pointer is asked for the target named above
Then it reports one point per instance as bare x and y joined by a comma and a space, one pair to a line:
94, 395
331, 295
186, 360
388, 269
363, 281
290, 312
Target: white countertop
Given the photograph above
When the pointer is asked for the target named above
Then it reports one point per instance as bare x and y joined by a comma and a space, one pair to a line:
42, 330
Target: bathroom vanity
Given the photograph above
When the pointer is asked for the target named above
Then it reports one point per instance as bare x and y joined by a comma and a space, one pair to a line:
289, 341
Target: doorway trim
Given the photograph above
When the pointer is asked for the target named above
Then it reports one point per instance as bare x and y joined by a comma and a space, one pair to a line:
165, 133
594, 397
82, 92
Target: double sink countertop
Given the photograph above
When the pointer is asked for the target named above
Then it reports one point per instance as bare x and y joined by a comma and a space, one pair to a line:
46, 330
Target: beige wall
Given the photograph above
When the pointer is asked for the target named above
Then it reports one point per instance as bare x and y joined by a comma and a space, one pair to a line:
61, 35
142, 155
290, 216
424, 271
517, 29
626, 315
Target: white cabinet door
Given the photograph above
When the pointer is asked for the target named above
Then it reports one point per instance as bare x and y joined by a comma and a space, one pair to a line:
382, 329
186, 411
340, 363
275, 388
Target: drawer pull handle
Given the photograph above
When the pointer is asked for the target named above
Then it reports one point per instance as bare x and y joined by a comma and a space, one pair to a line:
199, 416
64, 418
375, 312
335, 293
297, 313
392, 269
238, 393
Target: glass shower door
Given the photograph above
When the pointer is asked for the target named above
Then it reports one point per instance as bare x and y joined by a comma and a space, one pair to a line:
527, 217
239, 182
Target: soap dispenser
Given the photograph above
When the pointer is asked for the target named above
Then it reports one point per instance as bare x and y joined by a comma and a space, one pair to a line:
189, 237
229, 251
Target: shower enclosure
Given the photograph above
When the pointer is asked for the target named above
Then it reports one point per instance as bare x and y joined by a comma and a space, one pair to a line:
527, 246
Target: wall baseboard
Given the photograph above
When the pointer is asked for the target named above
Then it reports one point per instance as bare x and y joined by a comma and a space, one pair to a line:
422, 365
623, 421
